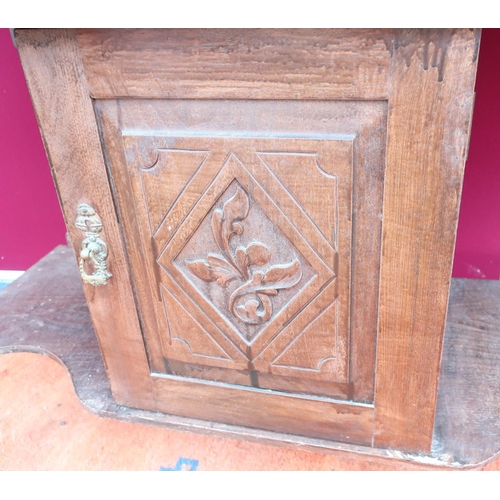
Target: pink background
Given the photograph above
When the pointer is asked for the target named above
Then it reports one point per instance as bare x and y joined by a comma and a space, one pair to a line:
31, 220
32, 223
477, 254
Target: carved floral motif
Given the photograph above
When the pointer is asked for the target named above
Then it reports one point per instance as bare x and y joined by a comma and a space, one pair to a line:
250, 302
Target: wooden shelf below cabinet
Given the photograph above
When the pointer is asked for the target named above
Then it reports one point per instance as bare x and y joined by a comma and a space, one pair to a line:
45, 311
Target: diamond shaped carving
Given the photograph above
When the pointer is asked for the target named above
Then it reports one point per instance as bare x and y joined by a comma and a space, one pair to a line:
206, 257
243, 263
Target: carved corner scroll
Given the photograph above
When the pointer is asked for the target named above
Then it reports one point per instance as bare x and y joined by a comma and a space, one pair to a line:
250, 302
94, 251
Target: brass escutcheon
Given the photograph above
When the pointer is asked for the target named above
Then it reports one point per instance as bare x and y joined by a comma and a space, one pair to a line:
94, 251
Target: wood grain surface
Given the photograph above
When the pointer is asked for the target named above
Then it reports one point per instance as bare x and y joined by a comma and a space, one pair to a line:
139, 134
469, 393
229, 64
430, 109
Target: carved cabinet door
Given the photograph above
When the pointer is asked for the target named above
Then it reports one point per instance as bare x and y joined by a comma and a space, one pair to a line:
270, 215
257, 244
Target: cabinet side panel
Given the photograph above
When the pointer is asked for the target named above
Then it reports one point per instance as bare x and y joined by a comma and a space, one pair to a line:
430, 106
56, 80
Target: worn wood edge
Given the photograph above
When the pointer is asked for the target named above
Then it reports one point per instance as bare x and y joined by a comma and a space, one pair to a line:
469, 390
318, 418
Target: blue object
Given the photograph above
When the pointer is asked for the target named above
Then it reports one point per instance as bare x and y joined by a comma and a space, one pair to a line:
183, 464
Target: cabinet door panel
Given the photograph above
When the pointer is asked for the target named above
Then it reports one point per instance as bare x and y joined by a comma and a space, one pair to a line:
247, 237
238, 254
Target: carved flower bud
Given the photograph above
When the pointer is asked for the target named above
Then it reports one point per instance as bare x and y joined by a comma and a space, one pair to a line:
258, 254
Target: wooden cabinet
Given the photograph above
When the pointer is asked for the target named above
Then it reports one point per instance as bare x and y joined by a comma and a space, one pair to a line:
264, 219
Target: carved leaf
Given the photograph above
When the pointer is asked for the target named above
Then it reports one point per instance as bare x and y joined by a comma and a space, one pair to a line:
254, 254
225, 224
235, 209
283, 276
225, 267
236, 228
201, 268
206, 271
258, 254
218, 261
223, 279
217, 229
257, 278
241, 260
221, 269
